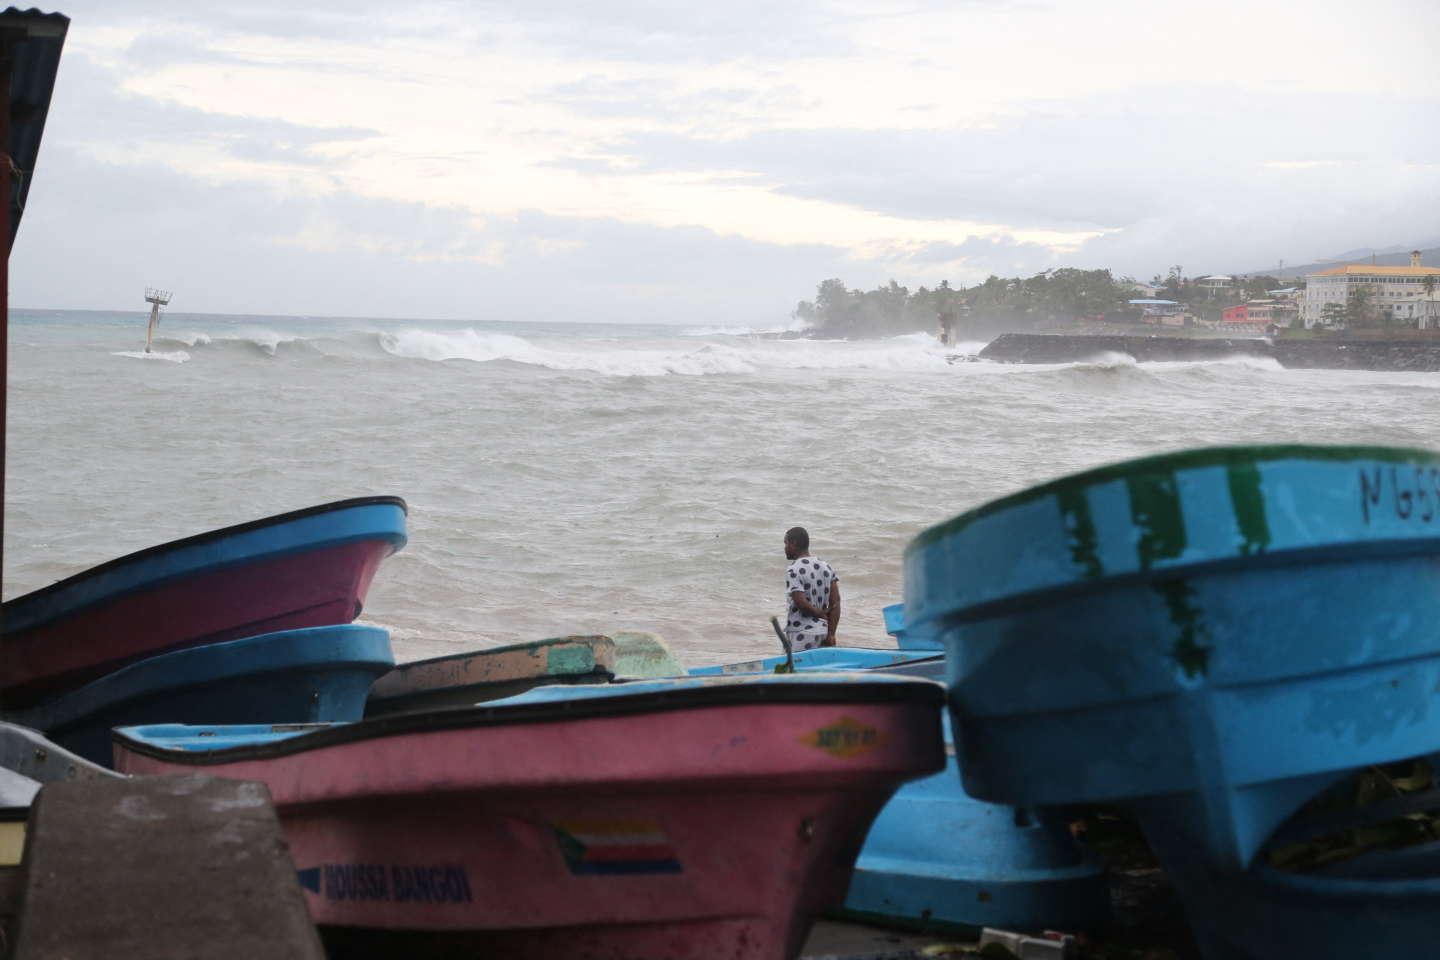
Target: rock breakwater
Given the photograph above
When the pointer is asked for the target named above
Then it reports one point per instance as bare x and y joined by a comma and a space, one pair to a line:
1393, 355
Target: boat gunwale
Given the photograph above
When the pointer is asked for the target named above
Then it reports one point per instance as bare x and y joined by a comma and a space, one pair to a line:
308, 650
408, 679
1184, 459
198, 539
914, 691
1389, 548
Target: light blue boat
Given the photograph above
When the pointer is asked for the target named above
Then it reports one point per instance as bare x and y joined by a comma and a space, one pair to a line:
1209, 637
819, 658
938, 860
293, 676
907, 636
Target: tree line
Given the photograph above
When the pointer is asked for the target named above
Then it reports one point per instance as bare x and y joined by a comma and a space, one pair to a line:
1008, 303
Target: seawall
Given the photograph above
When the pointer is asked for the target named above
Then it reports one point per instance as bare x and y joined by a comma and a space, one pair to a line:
1396, 355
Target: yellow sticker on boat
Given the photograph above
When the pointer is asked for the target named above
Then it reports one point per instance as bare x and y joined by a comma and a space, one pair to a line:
12, 843
844, 738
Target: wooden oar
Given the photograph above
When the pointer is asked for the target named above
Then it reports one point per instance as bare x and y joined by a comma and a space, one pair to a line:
784, 642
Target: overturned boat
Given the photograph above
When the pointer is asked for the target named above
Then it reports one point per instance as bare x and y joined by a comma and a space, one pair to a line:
1209, 638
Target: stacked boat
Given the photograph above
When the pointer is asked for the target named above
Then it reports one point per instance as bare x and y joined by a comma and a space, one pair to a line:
1225, 642
1237, 646
512, 800
241, 624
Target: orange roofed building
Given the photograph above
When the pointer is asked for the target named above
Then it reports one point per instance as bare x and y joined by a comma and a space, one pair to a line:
1409, 296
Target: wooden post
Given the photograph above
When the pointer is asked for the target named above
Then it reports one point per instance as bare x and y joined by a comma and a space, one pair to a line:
5, 188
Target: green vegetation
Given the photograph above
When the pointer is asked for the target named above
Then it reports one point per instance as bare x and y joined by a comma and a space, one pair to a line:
1014, 303
1062, 296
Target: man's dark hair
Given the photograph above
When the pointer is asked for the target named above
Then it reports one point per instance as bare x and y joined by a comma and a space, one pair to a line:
799, 537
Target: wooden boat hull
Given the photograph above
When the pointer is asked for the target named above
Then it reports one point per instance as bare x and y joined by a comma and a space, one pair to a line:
474, 676
304, 569
294, 676
1210, 638
679, 819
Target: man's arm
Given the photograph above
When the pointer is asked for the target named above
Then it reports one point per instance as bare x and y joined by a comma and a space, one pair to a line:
805, 606
832, 619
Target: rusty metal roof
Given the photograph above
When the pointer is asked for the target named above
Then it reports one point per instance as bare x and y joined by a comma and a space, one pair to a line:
30, 41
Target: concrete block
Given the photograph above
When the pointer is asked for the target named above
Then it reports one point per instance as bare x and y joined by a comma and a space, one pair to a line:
1029, 948
159, 867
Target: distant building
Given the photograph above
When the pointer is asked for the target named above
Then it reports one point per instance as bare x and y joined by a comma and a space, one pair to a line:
1215, 284
1261, 313
1167, 312
1400, 294
1144, 289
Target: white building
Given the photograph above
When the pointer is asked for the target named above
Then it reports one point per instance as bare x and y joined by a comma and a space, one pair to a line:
1401, 294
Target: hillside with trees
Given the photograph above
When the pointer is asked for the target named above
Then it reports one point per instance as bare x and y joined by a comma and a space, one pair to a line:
1015, 303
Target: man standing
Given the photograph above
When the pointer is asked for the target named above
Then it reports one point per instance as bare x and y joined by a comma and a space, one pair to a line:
812, 592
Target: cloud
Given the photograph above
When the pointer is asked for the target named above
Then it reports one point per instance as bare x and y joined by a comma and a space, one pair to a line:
89, 108
649, 151
96, 233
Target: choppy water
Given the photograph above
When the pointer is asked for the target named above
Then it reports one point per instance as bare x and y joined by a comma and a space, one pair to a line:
580, 478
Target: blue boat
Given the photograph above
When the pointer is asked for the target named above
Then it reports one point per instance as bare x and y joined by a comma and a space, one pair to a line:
293, 676
938, 860
1209, 637
1383, 904
818, 658
906, 636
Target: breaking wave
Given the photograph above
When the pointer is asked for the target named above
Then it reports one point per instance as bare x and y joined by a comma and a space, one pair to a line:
172, 356
654, 359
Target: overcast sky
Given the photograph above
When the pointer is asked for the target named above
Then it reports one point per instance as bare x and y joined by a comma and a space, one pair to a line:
634, 160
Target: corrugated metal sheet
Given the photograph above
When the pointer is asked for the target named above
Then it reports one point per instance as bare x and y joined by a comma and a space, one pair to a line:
31, 42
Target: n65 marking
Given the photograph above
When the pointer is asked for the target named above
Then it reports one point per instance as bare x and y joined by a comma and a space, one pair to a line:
1413, 492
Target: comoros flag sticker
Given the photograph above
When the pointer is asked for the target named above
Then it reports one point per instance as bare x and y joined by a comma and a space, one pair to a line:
611, 847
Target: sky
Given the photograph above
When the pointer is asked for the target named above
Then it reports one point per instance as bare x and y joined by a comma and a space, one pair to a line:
629, 160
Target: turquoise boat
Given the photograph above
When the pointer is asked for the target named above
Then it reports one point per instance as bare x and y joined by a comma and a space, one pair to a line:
1209, 638
291, 676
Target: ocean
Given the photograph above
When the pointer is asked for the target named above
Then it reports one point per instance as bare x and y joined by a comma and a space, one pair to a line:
579, 478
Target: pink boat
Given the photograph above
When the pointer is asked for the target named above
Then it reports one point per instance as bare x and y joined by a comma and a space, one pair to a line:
688, 818
309, 568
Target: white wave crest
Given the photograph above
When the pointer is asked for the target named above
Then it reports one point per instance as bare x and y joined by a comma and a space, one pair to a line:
172, 356
916, 352
267, 340
740, 331
1109, 360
